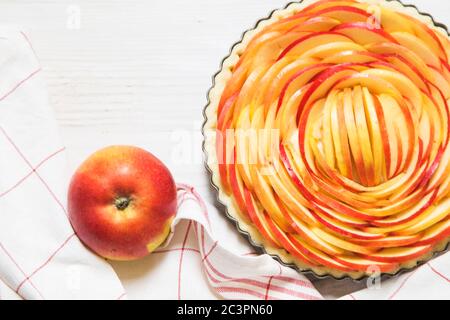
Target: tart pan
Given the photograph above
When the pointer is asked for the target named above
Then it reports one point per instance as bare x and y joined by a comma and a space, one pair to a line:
444, 247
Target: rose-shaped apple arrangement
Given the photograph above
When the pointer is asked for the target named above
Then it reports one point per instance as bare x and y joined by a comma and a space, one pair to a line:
328, 135
121, 202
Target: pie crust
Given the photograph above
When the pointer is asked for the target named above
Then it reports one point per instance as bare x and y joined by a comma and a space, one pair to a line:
209, 146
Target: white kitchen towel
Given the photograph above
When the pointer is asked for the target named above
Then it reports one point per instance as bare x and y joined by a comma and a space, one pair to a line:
41, 257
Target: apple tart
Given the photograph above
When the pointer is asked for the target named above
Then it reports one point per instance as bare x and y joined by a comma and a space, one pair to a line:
327, 135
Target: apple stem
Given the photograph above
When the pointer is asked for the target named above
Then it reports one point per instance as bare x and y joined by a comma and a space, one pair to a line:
122, 203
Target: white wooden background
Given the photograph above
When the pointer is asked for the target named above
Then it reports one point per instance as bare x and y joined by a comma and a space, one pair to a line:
137, 72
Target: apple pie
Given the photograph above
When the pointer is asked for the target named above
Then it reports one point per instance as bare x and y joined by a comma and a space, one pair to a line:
327, 135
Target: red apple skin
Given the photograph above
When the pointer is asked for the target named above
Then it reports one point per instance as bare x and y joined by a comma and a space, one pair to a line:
98, 217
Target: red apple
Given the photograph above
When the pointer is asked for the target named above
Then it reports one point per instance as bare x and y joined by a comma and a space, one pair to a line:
121, 202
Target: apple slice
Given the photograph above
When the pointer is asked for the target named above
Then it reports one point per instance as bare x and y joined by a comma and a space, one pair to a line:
344, 14
343, 218
340, 139
317, 255
392, 21
441, 82
416, 45
373, 125
427, 35
435, 234
311, 41
390, 242
287, 243
272, 48
402, 83
355, 147
433, 215
391, 49
341, 243
236, 189
398, 255
366, 265
424, 220
307, 12
318, 88
281, 81
324, 4
292, 200
266, 197
363, 134
223, 153
350, 56
389, 208
392, 115
299, 79
331, 190
317, 200
315, 24
248, 90
384, 137
258, 219
224, 115
379, 85
411, 214
285, 187
410, 70
364, 33
346, 231
310, 237
329, 49
327, 138
241, 138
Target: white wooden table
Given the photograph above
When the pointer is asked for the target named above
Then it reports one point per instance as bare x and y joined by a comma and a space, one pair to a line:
137, 72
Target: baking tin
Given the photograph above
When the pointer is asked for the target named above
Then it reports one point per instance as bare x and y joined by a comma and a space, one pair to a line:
260, 248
